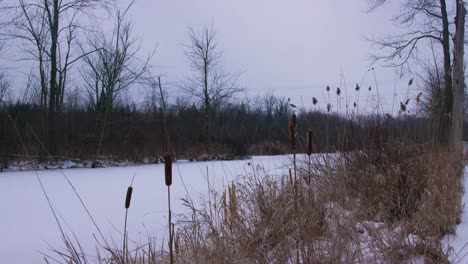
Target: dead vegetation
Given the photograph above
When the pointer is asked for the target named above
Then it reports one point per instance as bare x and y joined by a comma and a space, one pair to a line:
387, 204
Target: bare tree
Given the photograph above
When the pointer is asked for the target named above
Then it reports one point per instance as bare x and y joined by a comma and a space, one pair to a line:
48, 30
456, 129
4, 87
209, 82
111, 69
425, 21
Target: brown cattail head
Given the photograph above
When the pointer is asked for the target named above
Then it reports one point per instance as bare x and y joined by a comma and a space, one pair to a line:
168, 168
309, 142
402, 107
129, 197
314, 100
292, 131
418, 98
338, 91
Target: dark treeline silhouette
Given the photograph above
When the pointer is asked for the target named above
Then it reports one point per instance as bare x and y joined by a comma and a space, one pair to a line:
239, 129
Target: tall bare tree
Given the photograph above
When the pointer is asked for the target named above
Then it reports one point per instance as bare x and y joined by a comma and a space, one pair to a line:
209, 82
426, 21
456, 129
111, 69
48, 30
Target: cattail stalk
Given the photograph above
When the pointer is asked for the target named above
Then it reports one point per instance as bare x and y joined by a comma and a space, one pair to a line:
128, 199
292, 135
168, 178
309, 149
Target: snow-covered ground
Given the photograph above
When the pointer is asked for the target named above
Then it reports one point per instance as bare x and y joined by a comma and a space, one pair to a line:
459, 242
27, 225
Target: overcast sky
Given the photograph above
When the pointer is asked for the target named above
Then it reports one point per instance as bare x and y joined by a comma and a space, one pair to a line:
293, 48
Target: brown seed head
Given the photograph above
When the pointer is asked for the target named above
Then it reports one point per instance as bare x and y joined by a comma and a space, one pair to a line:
128, 198
402, 107
168, 168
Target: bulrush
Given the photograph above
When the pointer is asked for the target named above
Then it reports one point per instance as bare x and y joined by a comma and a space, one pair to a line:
309, 142
168, 168
292, 131
309, 151
128, 198
168, 176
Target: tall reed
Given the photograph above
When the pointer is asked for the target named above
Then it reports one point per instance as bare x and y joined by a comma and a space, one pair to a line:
168, 178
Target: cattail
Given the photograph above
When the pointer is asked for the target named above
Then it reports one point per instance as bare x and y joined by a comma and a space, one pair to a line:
309, 142
292, 131
354, 104
328, 88
328, 107
128, 198
407, 101
338, 91
402, 107
357, 87
410, 82
418, 98
314, 100
168, 168
370, 88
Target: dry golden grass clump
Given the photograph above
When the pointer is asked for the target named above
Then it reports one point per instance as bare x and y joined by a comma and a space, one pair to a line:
388, 204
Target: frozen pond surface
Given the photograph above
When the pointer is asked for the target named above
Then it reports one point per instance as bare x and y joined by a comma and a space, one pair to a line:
27, 225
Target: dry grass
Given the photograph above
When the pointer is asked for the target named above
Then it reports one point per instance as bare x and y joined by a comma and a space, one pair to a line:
390, 204
386, 204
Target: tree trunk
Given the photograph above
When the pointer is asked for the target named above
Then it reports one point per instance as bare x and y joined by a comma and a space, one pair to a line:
446, 113
207, 102
458, 80
51, 144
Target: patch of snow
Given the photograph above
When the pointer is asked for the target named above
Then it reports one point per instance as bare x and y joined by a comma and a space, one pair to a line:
27, 226
457, 244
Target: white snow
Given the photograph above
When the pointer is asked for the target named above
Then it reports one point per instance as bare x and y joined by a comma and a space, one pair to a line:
459, 242
27, 226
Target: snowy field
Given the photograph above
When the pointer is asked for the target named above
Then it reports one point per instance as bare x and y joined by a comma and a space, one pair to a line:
27, 225
459, 242
28, 228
